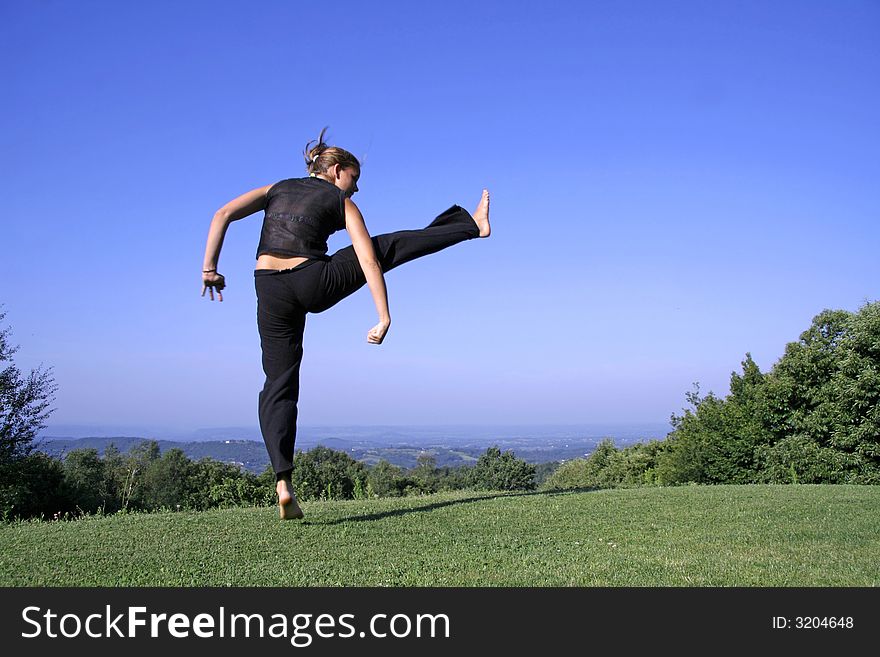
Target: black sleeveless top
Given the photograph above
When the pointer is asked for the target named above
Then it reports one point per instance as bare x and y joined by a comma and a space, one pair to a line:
301, 213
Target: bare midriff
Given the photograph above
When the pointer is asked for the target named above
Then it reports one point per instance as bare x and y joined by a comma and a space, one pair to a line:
269, 261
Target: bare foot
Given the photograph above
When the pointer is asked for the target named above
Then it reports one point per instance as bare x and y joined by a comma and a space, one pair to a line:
481, 215
288, 509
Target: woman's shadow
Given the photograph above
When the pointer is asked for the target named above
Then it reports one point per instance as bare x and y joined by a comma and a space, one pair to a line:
439, 505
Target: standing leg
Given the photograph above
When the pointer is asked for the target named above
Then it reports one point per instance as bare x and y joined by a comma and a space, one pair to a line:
281, 322
343, 274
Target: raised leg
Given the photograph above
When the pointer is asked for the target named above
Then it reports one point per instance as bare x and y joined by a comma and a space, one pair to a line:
343, 276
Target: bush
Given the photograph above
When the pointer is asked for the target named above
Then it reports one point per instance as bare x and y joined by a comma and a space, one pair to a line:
386, 480
815, 416
85, 480
497, 470
801, 460
324, 473
37, 489
609, 467
217, 484
239, 491
595, 471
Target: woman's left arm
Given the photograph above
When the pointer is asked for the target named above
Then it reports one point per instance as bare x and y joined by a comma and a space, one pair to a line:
366, 255
238, 208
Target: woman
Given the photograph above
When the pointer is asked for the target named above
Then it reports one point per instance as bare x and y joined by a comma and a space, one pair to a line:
294, 276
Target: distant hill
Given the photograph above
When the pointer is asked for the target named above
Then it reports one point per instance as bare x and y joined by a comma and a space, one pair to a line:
379, 435
251, 455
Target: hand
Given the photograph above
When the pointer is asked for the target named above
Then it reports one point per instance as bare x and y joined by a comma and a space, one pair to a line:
213, 281
377, 333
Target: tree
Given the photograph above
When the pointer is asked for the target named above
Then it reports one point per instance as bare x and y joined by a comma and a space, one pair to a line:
716, 441
814, 417
424, 478
324, 473
137, 490
37, 489
609, 467
598, 470
217, 484
24, 408
386, 480
85, 478
167, 480
543, 471
495, 470
24, 402
115, 478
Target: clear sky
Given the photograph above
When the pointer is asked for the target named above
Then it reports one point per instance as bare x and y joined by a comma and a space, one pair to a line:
673, 185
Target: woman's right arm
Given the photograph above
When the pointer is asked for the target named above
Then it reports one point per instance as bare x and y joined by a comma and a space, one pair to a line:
366, 255
238, 208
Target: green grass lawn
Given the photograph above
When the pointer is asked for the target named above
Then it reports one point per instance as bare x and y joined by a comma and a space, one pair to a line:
687, 536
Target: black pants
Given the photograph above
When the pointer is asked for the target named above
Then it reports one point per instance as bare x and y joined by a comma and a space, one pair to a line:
284, 297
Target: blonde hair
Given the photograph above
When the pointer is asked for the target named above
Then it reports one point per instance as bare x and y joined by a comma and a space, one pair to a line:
321, 157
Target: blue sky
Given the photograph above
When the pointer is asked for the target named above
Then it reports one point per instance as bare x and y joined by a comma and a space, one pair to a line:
674, 185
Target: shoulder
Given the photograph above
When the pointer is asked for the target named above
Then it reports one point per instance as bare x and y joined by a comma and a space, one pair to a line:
352, 212
275, 187
287, 182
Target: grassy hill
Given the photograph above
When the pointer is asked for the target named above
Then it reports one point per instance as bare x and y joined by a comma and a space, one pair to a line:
686, 536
